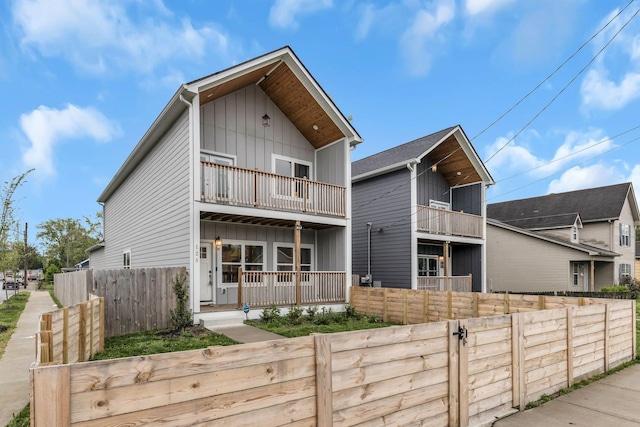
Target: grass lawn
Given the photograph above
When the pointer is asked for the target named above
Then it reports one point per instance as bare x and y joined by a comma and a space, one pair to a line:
160, 341
300, 322
10, 311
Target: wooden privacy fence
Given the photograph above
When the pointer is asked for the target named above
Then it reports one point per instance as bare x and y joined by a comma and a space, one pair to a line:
71, 334
73, 288
456, 372
136, 299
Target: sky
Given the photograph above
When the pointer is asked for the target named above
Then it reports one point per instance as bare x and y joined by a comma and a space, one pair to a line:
81, 81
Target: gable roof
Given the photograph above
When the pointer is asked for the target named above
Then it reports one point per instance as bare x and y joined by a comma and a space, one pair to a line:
284, 79
449, 149
588, 249
560, 209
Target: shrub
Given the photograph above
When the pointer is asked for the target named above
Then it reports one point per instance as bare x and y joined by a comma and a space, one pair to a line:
615, 288
270, 314
50, 271
295, 314
312, 311
182, 316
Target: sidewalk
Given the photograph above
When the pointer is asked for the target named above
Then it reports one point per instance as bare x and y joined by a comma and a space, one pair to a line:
19, 355
612, 401
245, 333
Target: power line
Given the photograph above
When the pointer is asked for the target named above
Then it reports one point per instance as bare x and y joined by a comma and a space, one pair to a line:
564, 88
552, 73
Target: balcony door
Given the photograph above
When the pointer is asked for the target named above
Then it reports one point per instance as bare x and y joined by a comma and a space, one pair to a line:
294, 168
216, 182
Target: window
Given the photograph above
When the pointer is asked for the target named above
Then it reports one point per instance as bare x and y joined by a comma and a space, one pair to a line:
625, 235
436, 204
574, 233
249, 256
126, 259
625, 270
576, 274
428, 265
295, 169
285, 257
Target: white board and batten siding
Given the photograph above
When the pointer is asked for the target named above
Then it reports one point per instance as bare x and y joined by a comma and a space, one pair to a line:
149, 213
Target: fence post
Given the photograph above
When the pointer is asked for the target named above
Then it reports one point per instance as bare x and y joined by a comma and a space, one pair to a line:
426, 306
65, 335
454, 402
82, 332
324, 386
633, 329
449, 306
607, 314
52, 396
463, 378
384, 305
404, 307
570, 316
517, 348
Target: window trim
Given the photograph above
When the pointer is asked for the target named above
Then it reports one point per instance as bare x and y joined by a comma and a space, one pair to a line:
439, 261
625, 235
291, 245
627, 267
126, 252
243, 243
438, 204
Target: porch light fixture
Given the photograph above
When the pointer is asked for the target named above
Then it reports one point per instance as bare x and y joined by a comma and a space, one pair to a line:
434, 168
266, 120
298, 227
218, 242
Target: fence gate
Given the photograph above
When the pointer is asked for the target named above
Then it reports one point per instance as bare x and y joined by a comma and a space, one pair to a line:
481, 377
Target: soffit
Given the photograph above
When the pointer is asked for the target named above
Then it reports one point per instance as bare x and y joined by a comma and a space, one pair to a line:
291, 97
453, 163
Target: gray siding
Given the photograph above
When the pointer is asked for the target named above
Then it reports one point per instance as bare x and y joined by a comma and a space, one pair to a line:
149, 212
330, 250
233, 125
431, 185
331, 161
467, 260
390, 247
467, 199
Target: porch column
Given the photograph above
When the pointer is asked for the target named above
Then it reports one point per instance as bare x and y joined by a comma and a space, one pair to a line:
446, 259
296, 243
592, 277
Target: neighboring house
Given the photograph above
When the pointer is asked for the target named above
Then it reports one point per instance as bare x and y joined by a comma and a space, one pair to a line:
242, 170
637, 263
578, 241
419, 214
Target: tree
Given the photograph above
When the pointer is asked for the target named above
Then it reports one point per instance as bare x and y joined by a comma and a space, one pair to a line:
7, 216
67, 239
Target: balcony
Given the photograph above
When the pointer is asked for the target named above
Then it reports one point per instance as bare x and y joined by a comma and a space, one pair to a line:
251, 188
445, 283
282, 288
449, 223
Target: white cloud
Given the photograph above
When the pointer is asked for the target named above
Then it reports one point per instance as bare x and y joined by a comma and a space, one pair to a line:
45, 127
98, 35
418, 40
517, 158
578, 178
599, 92
476, 7
286, 13
614, 82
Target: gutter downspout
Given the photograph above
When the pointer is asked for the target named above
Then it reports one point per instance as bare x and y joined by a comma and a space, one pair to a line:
369, 224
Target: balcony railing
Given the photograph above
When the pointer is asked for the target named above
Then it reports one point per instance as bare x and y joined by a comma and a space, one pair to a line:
263, 288
445, 283
448, 223
251, 188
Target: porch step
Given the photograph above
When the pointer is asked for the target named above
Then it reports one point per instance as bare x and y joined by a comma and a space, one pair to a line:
226, 318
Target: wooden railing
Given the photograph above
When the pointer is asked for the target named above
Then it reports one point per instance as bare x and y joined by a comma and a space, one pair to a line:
449, 223
252, 188
445, 283
263, 288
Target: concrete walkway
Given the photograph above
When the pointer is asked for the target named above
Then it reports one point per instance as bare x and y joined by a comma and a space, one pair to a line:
19, 355
612, 401
245, 333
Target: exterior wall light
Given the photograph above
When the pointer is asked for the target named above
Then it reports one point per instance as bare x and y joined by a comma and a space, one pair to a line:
218, 242
266, 120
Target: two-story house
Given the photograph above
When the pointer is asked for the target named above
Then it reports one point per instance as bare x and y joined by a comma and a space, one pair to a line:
244, 178
419, 215
576, 241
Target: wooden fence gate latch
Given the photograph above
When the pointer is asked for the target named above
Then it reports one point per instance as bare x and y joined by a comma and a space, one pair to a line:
462, 334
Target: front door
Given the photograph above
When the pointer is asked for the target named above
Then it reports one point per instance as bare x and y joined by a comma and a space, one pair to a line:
580, 276
207, 276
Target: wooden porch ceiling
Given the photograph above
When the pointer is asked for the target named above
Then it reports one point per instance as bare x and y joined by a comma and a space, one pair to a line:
453, 163
255, 220
288, 93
